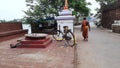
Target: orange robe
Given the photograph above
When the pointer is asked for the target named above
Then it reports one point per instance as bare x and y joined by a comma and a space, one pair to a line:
84, 29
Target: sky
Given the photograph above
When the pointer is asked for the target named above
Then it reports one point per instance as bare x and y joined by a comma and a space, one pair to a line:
13, 9
93, 6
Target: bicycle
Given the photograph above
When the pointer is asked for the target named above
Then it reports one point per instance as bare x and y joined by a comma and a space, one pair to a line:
67, 35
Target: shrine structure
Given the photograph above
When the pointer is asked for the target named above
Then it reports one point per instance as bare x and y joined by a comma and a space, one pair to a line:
65, 18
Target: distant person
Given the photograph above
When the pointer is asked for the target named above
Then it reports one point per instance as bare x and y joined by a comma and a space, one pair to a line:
84, 28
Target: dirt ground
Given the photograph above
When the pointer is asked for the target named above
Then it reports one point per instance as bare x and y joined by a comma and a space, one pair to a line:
54, 56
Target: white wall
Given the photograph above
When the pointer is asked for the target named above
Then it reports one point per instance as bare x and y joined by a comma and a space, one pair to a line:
27, 26
63, 23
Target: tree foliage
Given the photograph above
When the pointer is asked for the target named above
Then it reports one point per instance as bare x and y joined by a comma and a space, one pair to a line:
40, 9
105, 2
102, 4
79, 6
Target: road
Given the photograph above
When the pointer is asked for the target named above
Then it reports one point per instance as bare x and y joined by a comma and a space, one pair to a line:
102, 50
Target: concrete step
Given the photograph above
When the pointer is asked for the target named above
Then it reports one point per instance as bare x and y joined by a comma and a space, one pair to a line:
43, 43
40, 41
36, 45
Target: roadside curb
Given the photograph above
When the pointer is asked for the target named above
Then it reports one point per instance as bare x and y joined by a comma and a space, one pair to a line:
75, 56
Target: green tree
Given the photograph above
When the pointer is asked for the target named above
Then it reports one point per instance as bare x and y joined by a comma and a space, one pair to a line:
40, 9
80, 8
102, 4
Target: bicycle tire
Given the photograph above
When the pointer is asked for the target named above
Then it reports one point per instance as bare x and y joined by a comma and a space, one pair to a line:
70, 42
58, 35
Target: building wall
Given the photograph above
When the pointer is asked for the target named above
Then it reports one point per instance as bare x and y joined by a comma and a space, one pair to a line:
11, 30
4, 27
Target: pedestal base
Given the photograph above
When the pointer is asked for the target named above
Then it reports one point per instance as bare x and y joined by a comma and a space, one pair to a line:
32, 42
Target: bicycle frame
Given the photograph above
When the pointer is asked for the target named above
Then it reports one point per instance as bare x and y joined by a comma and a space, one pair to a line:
67, 35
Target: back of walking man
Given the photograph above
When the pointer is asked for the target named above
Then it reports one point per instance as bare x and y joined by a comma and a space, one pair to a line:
84, 28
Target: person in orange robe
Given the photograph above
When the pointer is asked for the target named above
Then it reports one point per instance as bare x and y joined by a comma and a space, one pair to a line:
84, 28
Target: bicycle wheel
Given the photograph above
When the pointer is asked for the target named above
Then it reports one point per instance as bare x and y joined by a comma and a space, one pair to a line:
70, 38
58, 35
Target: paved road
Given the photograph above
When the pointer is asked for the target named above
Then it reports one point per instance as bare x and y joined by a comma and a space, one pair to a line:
101, 51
